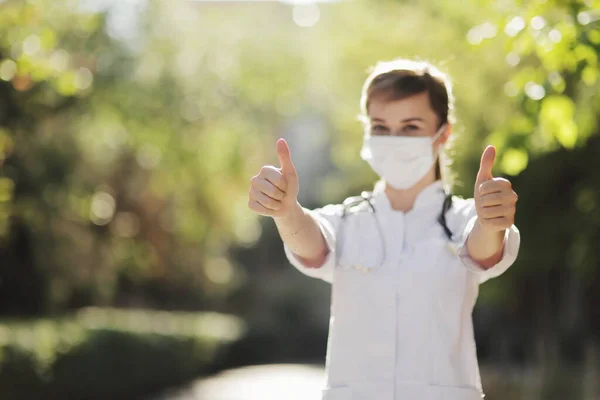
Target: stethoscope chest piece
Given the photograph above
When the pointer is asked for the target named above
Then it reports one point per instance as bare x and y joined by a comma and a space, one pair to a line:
362, 203
452, 248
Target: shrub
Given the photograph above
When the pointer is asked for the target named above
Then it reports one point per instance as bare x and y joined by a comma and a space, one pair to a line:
109, 354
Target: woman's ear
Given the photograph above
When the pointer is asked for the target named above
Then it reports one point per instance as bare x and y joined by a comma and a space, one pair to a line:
446, 133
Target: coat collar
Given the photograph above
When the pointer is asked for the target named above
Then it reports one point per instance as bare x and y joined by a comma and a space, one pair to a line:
430, 195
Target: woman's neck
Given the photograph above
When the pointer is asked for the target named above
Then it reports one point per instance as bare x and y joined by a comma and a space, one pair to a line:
404, 199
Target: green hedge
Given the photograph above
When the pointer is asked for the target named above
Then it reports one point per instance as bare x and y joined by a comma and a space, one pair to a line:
109, 354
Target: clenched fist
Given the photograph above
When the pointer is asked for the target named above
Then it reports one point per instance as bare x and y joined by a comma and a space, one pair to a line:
494, 198
274, 191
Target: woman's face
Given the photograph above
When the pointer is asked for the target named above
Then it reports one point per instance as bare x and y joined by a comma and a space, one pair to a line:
411, 116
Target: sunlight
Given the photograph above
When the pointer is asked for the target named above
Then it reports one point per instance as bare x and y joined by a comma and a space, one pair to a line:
269, 382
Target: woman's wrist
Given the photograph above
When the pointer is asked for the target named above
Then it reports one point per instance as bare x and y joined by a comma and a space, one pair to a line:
293, 215
485, 246
292, 222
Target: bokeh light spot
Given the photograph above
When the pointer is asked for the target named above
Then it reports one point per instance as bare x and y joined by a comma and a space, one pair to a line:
514, 26
8, 69
219, 270
103, 208
534, 91
83, 79
306, 15
31, 45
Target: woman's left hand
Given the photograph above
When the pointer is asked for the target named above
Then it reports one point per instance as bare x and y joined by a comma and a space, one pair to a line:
495, 199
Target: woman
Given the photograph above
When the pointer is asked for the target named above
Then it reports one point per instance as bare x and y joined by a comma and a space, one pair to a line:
406, 260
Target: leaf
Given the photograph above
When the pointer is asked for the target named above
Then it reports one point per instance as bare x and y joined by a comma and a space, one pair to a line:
66, 84
6, 144
589, 75
587, 54
557, 117
7, 187
514, 161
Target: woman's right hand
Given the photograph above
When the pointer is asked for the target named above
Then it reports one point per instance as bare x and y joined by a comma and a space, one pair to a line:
274, 191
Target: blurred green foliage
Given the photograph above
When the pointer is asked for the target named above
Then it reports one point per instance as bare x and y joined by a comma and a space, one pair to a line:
125, 156
105, 353
553, 48
102, 161
129, 158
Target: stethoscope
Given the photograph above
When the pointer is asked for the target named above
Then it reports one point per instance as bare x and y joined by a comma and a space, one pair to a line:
352, 206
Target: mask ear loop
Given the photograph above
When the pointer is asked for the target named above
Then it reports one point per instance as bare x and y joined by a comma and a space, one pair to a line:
448, 199
442, 217
435, 137
439, 132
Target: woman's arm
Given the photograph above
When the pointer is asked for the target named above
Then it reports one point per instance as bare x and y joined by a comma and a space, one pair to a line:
274, 193
301, 233
496, 205
485, 247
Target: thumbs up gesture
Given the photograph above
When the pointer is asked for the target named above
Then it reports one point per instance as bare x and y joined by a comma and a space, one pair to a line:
274, 191
494, 198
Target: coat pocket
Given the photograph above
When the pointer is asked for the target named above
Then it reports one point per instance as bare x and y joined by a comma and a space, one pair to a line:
453, 393
360, 244
338, 393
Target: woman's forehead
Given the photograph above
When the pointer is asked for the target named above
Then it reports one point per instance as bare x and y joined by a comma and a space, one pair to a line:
416, 106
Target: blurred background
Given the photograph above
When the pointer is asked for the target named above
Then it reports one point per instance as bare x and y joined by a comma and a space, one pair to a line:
130, 265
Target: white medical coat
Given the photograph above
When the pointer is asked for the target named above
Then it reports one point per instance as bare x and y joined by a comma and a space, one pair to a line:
402, 299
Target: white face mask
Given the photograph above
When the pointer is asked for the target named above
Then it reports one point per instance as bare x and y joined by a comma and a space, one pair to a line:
401, 160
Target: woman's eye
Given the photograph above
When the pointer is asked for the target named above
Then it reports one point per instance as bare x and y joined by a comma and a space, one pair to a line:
410, 128
379, 130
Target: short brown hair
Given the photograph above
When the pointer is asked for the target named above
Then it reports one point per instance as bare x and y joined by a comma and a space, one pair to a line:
399, 79
402, 78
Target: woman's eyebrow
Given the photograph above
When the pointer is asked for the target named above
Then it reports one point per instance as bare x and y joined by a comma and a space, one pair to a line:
412, 119
406, 120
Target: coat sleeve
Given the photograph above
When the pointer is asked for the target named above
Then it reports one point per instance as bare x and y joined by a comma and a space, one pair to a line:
465, 216
328, 218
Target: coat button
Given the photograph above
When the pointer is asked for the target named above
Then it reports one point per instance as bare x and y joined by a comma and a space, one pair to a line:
452, 248
361, 268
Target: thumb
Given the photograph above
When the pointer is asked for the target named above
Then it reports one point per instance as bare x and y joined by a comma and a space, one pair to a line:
487, 163
285, 158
